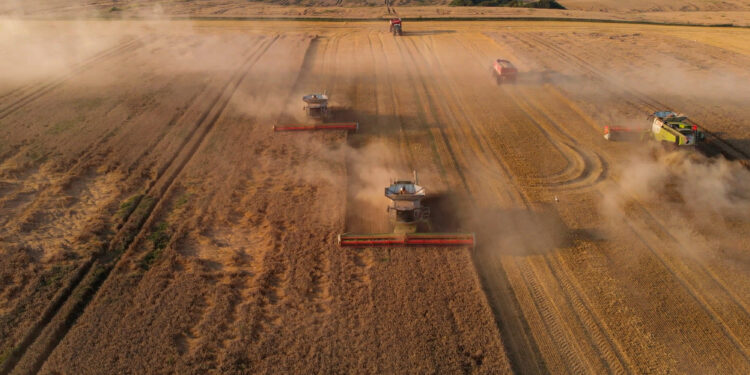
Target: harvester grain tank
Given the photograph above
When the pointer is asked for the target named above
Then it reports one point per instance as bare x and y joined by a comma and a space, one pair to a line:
406, 213
504, 71
316, 107
396, 27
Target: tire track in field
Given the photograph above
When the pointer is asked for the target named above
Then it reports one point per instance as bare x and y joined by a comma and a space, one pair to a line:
504, 319
440, 136
727, 149
94, 153
49, 86
608, 349
669, 264
517, 333
614, 357
583, 170
427, 110
486, 154
645, 235
650, 103
131, 233
572, 354
405, 147
274, 262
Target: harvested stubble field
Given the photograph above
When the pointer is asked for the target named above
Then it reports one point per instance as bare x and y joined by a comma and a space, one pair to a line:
151, 221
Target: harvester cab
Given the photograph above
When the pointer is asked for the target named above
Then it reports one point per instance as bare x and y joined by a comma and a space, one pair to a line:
316, 107
396, 27
406, 213
675, 129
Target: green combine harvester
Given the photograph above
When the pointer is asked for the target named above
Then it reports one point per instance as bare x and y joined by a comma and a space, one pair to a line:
675, 129
666, 126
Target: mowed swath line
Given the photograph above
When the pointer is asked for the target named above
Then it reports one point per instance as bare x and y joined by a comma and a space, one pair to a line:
274, 262
218, 104
413, 258
473, 191
94, 153
652, 104
613, 353
466, 122
593, 325
521, 360
77, 274
426, 121
692, 291
386, 105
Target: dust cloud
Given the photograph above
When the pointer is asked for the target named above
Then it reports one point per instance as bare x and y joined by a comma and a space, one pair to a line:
368, 169
701, 194
40, 50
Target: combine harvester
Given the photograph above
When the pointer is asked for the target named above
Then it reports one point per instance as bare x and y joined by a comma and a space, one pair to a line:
396, 28
504, 71
667, 127
406, 214
676, 129
316, 107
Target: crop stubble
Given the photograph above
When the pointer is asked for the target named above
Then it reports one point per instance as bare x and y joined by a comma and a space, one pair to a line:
249, 277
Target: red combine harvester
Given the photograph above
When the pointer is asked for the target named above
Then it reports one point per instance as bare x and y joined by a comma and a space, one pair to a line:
406, 214
504, 71
396, 27
316, 107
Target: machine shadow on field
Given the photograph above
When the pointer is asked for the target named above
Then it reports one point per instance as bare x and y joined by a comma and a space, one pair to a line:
548, 77
373, 158
508, 231
711, 150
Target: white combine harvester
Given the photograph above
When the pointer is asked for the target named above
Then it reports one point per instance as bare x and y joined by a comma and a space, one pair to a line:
406, 213
316, 107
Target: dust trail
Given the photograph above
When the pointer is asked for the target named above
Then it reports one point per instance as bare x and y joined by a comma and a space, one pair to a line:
702, 195
369, 170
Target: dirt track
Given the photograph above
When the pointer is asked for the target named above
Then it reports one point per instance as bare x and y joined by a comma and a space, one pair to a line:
151, 221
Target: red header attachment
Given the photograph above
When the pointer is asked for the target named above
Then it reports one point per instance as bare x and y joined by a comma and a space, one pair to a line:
406, 239
349, 126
